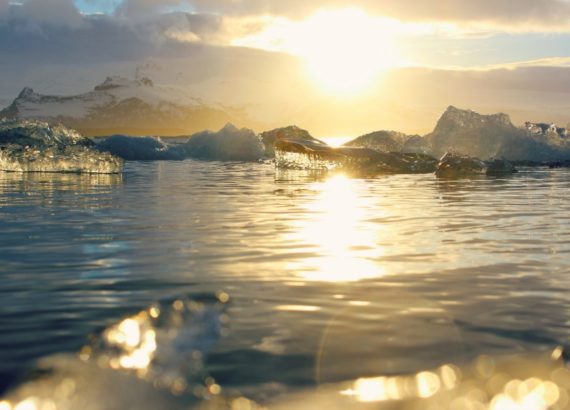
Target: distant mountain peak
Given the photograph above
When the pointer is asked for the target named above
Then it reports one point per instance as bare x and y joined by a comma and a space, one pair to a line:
26, 93
114, 82
122, 105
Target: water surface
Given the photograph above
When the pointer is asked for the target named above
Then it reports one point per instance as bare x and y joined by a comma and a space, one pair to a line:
330, 278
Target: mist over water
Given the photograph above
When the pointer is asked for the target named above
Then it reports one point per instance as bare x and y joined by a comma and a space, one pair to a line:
331, 278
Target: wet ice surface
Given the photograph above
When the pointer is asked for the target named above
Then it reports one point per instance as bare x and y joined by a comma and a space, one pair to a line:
334, 282
35, 146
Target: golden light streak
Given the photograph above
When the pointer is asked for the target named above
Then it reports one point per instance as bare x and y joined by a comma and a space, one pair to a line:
344, 249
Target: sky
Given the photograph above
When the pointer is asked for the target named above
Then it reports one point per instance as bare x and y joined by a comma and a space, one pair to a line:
335, 66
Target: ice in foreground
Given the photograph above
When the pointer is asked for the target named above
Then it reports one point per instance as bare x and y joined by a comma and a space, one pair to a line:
35, 146
156, 359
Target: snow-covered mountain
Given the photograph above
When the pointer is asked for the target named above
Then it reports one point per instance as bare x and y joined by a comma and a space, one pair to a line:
123, 106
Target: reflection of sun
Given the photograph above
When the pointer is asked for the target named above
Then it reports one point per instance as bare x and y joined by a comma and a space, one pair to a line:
344, 246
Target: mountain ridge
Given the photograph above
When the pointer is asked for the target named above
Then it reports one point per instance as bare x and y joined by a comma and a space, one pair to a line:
119, 105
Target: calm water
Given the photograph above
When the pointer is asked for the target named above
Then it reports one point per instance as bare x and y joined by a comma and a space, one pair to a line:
330, 279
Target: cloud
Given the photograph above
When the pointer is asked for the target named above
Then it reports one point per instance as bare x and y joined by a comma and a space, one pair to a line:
42, 31
185, 27
545, 14
145, 8
548, 62
4, 7
100, 39
98, 6
36, 14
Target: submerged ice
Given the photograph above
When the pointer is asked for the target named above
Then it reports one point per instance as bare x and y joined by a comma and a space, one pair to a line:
151, 360
155, 359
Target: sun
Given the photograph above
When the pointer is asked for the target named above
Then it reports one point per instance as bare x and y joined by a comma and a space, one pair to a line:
346, 50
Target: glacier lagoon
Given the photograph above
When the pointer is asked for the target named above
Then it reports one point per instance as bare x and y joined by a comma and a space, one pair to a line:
372, 291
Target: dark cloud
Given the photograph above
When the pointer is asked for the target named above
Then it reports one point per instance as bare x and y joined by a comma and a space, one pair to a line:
145, 8
4, 7
34, 15
53, 12
99, 39
54, 31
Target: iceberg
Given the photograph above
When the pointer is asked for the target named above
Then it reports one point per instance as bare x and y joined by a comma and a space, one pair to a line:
494, 136
269, 138
470, 134
228, 144
306, 155
383, 141
140, 148
392, 141
35, 146
454, 165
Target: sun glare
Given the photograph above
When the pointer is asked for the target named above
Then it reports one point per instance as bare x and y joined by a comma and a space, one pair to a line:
336, 141
344, 50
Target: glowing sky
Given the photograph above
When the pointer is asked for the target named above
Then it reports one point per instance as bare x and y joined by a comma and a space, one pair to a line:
392, 59
463, 33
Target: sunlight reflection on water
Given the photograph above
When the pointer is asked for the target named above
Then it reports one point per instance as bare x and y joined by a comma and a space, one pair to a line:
338, 235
